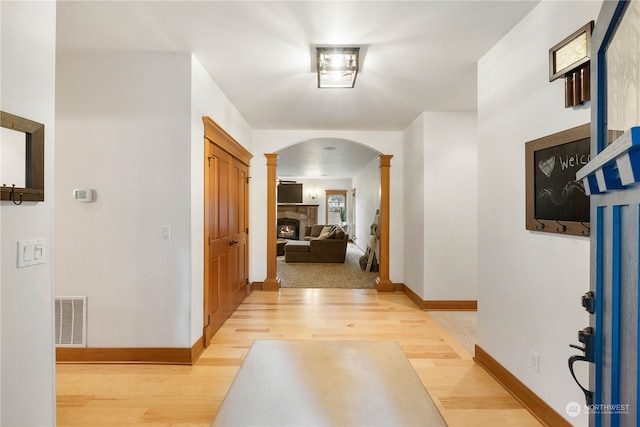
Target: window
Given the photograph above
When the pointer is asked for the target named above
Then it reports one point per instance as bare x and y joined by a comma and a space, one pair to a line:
336, 206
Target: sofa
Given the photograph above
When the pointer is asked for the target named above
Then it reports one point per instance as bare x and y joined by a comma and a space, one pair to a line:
320, 243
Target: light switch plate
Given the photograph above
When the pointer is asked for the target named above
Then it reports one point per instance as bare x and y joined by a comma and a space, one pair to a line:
31, 252
534, 361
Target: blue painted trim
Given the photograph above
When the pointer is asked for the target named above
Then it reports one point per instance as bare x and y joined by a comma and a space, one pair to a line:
634, 159
593, 184
599, 273
615, 312
601, 94
607, 159
612, 177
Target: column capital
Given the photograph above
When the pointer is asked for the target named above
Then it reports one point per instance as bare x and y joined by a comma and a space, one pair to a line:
272, 159
385, 160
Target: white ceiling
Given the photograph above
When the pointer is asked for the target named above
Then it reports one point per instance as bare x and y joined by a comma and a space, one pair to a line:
418, 55
324, 158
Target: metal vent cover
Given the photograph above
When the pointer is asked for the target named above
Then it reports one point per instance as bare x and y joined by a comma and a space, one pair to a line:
71, 320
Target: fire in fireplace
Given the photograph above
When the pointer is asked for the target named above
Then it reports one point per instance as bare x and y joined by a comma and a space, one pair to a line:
288, 228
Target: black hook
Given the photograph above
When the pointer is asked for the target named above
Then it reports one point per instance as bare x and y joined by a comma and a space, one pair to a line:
12, 196
561, 230
588, 232
541, 226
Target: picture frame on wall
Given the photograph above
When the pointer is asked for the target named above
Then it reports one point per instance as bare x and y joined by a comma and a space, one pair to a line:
555, 201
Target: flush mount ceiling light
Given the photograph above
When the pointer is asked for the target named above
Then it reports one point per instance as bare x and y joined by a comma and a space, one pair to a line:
337, 66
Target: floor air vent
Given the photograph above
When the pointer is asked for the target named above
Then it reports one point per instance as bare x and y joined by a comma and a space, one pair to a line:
71, 319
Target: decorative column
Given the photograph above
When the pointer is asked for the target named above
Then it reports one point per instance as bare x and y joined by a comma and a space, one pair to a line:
383, 284
272, 282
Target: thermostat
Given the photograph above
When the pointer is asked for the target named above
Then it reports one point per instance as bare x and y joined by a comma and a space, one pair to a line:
83, 195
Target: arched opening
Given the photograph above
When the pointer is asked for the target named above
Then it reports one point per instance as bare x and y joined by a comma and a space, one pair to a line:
319, 165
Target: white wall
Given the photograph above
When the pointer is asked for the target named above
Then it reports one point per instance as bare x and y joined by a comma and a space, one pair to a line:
206, 100
530, 283
148, 106
414, 199
440, 182
450, 206
267, 141
367, 185
123, 123
27, 89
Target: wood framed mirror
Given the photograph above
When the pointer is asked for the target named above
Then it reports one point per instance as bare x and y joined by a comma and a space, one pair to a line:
22, 157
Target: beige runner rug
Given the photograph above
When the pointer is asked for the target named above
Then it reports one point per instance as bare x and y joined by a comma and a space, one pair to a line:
327, 383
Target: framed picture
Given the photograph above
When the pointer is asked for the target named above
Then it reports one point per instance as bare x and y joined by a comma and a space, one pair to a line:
556, 201
570, 53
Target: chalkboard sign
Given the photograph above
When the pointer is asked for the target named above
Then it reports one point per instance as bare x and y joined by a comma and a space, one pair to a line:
556, 202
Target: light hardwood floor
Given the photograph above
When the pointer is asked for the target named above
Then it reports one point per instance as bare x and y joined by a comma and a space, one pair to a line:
156, 395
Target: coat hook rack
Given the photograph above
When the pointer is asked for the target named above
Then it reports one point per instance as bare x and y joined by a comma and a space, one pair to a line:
587, 228
541, 226
562, 229
12, 196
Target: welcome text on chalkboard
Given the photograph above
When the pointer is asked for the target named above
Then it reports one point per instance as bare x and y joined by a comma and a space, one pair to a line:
556, 202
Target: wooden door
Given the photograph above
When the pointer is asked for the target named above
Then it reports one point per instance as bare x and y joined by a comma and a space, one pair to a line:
238, 222
238, 248
226, 269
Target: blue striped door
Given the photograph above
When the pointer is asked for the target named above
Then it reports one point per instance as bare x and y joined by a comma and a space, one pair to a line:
612, 178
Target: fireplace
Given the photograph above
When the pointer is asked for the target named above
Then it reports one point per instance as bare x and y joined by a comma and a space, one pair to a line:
288, 228
293, 218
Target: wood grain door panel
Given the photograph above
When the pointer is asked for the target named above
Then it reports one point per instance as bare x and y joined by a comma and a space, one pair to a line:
217, 229
226, 219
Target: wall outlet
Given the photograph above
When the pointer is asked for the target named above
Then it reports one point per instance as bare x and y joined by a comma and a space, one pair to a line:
534, 361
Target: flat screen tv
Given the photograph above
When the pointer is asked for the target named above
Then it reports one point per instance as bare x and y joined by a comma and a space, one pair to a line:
289, 193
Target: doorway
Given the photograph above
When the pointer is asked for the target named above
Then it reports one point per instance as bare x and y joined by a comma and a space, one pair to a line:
377, 164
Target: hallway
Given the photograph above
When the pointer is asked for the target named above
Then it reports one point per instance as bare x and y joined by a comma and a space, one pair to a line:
160, 395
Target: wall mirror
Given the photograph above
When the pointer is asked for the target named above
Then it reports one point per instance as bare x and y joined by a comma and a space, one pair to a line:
21, 159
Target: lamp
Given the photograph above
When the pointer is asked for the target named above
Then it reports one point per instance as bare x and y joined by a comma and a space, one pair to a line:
337, 66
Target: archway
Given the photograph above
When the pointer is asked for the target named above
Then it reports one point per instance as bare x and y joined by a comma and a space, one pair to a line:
382, 283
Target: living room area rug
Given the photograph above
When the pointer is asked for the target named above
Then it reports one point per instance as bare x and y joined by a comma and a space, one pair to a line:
327, 383
327, 274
